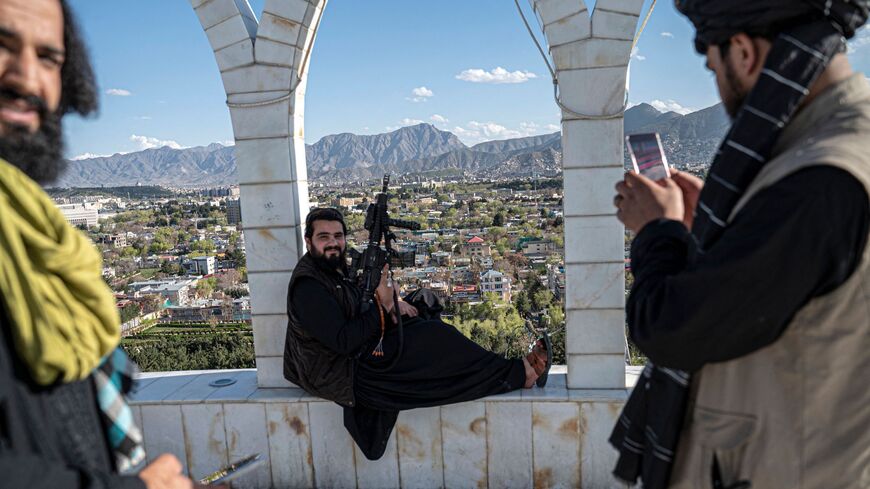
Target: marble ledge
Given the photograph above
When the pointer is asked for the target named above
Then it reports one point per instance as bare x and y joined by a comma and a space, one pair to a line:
193, 387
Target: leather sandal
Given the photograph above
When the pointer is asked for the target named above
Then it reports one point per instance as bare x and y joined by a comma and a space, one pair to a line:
540, 359
548, 347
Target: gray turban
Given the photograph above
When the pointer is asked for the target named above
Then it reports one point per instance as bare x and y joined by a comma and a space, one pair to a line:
717, 20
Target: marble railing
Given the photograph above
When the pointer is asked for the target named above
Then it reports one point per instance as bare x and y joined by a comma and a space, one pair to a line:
541, 438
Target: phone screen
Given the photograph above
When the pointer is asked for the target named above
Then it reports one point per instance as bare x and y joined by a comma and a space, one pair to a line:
648, 156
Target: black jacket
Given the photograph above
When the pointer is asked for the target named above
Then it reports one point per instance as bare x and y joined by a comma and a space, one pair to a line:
51, 437
308, 362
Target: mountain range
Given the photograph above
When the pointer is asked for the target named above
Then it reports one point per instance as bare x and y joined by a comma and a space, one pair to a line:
690, 141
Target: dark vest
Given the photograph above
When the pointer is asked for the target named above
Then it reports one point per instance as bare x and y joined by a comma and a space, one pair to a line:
308, 363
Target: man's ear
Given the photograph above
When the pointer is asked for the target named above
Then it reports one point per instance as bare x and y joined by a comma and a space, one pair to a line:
308, 243
747, 56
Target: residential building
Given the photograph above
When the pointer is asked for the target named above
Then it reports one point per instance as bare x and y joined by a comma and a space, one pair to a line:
114, 240
476, 246
538, 247
464, 293
348, 202
242, 310
441, 258
497, 283
200, 265
556, 281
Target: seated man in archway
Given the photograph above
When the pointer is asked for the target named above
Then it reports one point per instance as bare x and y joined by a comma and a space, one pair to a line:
332, 350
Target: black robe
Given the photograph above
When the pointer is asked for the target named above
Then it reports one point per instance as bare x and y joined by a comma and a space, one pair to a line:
437, 364
51, 437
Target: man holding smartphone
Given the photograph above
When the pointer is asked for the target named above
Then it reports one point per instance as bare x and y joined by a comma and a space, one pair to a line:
751, 290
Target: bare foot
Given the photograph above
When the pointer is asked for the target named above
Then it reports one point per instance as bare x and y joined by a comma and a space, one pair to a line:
531, 376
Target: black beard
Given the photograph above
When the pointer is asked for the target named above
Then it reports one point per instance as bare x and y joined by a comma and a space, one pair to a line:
338, 262
38, 154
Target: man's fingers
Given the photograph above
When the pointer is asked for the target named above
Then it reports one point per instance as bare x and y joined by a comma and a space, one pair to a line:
636, 180
669, 183
622, 189
687, 181
168, 462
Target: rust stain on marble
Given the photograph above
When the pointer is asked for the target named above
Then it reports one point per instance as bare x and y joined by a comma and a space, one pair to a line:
297, 425
214, 444
289, 24
293, 421
273, 427
234, 440
266, 233
615, 409
478, 426
570, 428
539, 421
410, 445
543, 478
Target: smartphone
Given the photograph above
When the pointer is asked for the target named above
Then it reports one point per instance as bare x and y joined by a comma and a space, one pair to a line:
648, 156
233, 470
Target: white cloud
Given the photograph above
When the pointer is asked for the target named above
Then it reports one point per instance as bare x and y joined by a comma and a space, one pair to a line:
635, 54
553, 127
860, 41
146, 142
497, 75
87, 156
118, 92
438, 119
404, 123
477, 132
228, 142
421, 94
144, 117
667, 34
670, 106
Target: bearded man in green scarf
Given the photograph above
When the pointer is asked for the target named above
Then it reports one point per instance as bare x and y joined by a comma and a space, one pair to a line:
64, 422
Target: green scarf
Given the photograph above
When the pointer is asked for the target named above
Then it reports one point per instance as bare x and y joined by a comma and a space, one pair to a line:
63, 316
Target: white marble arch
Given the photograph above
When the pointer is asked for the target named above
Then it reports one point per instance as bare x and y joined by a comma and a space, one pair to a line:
263, 65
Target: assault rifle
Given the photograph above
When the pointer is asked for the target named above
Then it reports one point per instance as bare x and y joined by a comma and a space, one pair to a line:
367, 266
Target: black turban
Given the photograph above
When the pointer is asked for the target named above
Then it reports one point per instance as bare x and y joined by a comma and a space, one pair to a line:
717, 20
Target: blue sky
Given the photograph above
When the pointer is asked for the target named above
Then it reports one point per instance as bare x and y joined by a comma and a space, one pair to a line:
376, 65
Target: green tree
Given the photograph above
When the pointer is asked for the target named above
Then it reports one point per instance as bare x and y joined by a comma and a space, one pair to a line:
205, 287
129, 312
237, 256
171, 268
205, 246
498, 220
